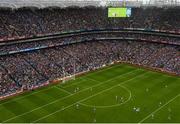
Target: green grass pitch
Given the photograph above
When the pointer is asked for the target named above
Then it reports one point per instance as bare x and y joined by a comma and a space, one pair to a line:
118, 93
117, 12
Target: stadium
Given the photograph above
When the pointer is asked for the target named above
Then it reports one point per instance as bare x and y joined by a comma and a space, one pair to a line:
89, 61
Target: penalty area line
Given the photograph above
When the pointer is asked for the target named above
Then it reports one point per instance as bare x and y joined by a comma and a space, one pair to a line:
85, 99
110, 106
67, 96
63, 90
158, 109
83, 79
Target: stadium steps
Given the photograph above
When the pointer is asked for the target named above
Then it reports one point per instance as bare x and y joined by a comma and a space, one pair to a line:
77, 59
43, 75
59, 66
11, 77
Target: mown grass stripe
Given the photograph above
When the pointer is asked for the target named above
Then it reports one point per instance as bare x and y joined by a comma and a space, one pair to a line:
147, 101
85, 99
65, 97
158, 109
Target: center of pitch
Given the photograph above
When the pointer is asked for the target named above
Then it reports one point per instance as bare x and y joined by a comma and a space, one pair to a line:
110, 97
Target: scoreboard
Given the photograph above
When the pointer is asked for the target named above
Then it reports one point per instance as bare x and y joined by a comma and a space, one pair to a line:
119, 12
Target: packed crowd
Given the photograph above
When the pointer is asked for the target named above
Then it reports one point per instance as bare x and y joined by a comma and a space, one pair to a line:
60, 41
17, 23
7, 84
28, 69
33, 68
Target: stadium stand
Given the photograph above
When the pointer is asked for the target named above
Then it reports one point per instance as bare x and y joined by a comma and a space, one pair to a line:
25, 70
18, 24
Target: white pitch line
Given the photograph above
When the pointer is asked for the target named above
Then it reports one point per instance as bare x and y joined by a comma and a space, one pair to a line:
158, 109
67, 96
87, 78
18, 98
92, 79
110, 106
85, 99
63, 90
37, 108
74, 83
105, 69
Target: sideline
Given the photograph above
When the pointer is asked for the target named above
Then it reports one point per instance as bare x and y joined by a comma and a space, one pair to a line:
158, 109
84, 99
50, 85
68, 96
24, 96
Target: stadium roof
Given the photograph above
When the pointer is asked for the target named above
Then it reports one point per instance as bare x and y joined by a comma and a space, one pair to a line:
82, 3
